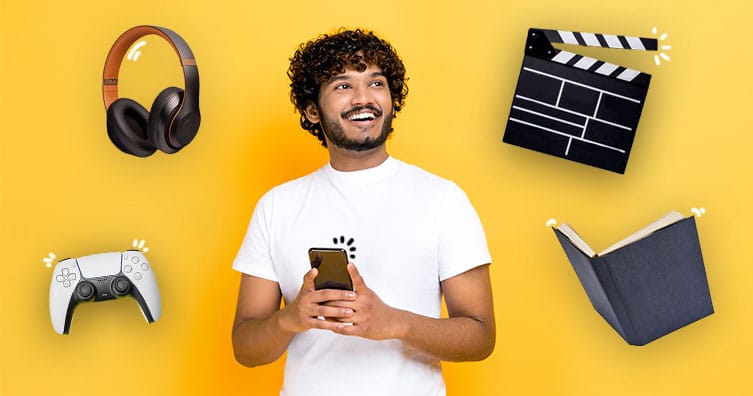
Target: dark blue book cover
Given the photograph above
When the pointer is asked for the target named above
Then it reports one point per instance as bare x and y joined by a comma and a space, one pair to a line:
649, 287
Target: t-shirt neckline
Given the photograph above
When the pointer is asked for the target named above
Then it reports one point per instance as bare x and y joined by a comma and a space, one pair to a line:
376, 173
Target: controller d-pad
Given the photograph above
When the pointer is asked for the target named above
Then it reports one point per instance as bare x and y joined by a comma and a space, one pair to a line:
65, 277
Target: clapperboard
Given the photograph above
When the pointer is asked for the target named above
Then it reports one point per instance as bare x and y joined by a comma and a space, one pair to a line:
575, 107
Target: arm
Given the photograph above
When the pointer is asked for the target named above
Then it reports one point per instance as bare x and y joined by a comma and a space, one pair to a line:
467, 334
262, 331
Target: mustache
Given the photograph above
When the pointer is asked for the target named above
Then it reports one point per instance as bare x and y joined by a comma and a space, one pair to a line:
377, 112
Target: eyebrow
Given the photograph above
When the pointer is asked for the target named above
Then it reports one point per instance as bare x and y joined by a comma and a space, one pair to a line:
344, 77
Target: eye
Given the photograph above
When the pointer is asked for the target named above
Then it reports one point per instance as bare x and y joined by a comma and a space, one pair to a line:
341, 86
378, 83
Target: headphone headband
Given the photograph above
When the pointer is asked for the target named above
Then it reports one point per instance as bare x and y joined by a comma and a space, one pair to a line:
121, 45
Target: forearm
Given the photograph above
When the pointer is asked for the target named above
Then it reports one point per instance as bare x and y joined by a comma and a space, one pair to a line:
260, 341
262, 330
467, 334
456, 339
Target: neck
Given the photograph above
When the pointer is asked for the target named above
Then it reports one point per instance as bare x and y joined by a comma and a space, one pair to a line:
348, 160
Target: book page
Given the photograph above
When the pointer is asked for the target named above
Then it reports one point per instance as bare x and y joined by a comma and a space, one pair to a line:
576, 239
669, 218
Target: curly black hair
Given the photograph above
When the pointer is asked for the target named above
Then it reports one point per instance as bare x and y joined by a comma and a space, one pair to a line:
316, 61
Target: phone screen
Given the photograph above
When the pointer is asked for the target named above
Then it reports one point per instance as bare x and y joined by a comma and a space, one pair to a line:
332, 265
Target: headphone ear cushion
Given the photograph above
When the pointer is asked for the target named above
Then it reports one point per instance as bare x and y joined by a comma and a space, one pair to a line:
165, 107
127, 127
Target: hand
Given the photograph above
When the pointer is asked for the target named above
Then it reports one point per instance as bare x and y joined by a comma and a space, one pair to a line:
371, 317
303, 313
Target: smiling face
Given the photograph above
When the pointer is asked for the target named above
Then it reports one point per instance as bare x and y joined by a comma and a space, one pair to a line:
347, 88
354, 109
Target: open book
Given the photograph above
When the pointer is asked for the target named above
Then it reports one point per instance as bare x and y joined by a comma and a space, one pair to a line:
647, 285
670, 218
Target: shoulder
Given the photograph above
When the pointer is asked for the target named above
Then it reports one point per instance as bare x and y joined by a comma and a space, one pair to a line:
426, 180
293, 188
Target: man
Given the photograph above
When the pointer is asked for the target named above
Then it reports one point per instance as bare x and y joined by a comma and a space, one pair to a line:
411, 236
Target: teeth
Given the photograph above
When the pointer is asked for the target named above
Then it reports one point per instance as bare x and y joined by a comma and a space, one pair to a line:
361, 117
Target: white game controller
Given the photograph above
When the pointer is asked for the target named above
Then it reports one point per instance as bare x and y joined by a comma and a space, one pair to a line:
101, 277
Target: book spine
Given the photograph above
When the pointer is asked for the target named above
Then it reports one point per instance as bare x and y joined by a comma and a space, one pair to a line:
601, 266
593, 283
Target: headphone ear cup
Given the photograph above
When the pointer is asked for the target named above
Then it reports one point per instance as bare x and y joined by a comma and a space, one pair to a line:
165, 107
127, 127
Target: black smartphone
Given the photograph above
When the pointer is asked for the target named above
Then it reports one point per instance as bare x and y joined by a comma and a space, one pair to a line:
332, 265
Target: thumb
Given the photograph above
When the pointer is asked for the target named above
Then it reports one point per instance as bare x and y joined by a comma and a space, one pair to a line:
356, 278
308, 279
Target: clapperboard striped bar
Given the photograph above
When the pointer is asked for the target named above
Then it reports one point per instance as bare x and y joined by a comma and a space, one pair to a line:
575, 107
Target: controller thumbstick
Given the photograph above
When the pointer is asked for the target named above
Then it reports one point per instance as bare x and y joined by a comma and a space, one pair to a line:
85, 291
121, 285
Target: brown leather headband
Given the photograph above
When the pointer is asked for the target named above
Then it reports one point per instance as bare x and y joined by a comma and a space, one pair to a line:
121, 45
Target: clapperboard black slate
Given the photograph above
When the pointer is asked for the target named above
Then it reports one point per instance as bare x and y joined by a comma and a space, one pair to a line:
650, 287
576, 107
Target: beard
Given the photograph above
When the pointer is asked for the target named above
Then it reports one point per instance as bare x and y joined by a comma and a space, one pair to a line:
335, 133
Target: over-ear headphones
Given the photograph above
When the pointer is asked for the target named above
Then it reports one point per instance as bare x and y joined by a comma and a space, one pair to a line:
174, 118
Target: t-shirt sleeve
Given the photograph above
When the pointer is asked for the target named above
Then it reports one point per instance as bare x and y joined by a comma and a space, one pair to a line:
462, 242
255, 254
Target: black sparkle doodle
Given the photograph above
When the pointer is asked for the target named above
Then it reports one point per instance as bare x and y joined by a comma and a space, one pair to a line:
348, 245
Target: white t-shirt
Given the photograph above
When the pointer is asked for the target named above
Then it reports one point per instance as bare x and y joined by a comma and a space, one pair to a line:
405, 230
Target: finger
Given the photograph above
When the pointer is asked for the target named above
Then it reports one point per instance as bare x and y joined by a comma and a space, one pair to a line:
349, 329
324, 296
325, 324
308, 279
355, 276
330, 319
345, 321
333, 313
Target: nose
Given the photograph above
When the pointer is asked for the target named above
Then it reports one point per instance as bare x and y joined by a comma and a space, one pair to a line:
360, 95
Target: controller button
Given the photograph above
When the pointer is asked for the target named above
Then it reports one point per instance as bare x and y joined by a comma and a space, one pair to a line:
127, 269
135, 259
145, 267
121, 286
65, 277
137, 275
85, 291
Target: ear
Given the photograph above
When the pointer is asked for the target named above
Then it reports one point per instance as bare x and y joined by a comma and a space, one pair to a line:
312, 113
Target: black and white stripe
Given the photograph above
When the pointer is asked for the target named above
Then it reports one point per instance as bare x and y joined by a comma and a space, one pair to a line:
597, 40
599, 67
601, 40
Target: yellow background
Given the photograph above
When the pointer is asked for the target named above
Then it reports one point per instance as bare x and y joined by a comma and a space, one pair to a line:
64, 188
